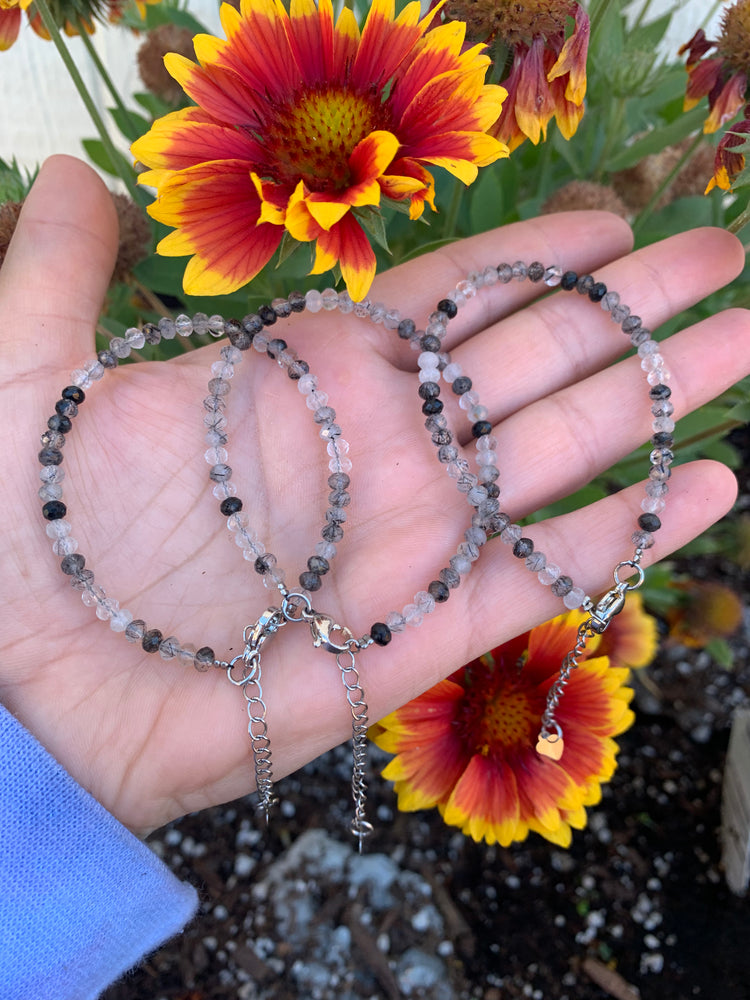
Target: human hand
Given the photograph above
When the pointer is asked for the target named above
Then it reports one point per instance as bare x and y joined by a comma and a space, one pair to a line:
153, 740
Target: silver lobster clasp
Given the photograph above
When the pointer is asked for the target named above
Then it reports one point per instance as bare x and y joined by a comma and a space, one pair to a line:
610, 605
269, 622
322, 626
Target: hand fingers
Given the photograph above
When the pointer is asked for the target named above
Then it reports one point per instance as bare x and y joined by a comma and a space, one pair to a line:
52, 299
584, 240
559, 443
565, 337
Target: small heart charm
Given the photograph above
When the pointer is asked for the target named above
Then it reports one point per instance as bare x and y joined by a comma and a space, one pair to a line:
550, 746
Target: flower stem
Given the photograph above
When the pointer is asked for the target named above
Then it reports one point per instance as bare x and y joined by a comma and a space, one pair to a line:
454, 208
69, 63
667, 182
106, 78
741, 221
642, 14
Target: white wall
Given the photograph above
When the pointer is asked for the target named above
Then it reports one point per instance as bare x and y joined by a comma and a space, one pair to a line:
41, 112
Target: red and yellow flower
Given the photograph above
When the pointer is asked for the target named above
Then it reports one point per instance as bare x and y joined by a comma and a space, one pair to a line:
722, 77
69, 15
302, 124
546, 62
468, 745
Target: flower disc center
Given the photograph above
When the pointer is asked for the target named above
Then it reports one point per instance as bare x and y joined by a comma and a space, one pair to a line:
312, 137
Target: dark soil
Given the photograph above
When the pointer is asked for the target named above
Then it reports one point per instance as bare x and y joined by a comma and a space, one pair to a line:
637, 907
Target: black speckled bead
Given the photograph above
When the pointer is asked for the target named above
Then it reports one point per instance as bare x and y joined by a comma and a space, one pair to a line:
461, 385
73, 392
523, 548
230, 505
204, 657
568, 281
597, 293
252, 324
319, 565
536, 271
66, 408
449, 307
151, 640
662, 439
54, 510
380, 634
481, 428
275, 347
50, 456
649, 522
297, 301
406, 329
439, 591
432, 406
660, 391
267, 315
430, 343
72, 564
310, 581
59, 423
562, 586
429, 390
237, 335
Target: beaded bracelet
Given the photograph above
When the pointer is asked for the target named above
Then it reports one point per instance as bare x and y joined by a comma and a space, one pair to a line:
480, 489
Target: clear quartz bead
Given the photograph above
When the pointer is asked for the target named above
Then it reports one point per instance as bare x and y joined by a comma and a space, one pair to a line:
216, 456
429, 375
119, 348
65, 546
232, 355
329, 298
574, 598
466, 288
620, 313
413, 615
120, 619
307, 383
106, 608
468, 399
50, 491
52, 474
222, 370
659, 376
642, 539
395, 621
135, 338
260, 343
425, 602
326, 550
186, 654
452, 371
392, 319
656, 487
663, 425
346, 306
535, 562
652, 505
223, 490
377, 313
340, 464
183, 325
552, 275
362, 309
489, 276
648, 347
313, 300
58, 529
663, 408
80, 377
511, 534
215, 325
427, 360
549, 574
478, 413
167, 328
92, 595
169, 647
461, 564
316, 399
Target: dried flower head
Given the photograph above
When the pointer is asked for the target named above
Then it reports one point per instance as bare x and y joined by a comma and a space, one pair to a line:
9, 215
135, 236
577, 195
161, 40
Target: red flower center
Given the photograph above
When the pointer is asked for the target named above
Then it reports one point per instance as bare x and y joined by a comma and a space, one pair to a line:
496, 716
312, 137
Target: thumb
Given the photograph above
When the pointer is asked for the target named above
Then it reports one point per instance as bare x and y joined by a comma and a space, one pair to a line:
57, 269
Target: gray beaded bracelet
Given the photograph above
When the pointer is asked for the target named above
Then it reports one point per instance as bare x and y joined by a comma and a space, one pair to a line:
480, 489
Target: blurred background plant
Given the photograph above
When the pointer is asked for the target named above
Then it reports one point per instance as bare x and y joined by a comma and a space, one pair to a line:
599, 115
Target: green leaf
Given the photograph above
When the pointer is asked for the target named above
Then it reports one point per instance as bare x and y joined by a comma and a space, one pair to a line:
648, 36
486, 201
287, 247
372, 220
720, 652
100, 157
130, 123
657, 140
154, 105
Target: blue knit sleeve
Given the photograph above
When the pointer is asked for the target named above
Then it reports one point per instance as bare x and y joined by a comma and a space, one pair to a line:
81, 899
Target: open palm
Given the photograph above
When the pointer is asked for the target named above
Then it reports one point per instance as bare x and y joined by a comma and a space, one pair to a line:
152, 739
